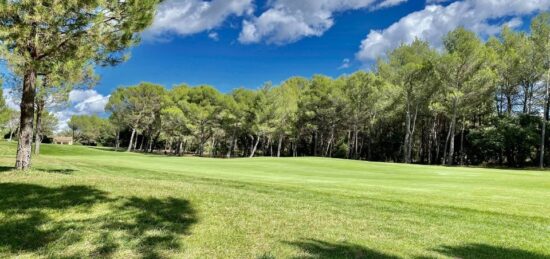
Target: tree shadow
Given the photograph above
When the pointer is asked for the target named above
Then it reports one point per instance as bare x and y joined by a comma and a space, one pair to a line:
147, 226
154, 224
24, 206
322, 249
6, 168
57, 171
484, 251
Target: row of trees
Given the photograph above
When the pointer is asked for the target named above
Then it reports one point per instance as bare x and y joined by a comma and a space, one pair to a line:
474, 102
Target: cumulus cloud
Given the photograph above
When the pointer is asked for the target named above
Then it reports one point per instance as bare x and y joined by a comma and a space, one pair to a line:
434, 21
287, 21
186, 17
81, 102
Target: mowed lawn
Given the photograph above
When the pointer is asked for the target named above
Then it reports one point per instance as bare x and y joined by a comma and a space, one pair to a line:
90, 202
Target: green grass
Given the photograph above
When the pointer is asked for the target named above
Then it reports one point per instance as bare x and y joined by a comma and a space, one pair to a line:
85, 202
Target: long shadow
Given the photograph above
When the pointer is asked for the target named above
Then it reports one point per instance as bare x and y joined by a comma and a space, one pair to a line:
484, 251
322, 249
148, 227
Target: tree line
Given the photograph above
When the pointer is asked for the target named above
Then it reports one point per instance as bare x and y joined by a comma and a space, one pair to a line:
473, 102
469, 102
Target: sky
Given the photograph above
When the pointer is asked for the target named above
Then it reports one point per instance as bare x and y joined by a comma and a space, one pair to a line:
245, 43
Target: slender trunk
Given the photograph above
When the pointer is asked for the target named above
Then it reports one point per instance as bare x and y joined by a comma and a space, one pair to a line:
544, 122
141, 144
280, 144
23, 158
509, 104
230, 148
38, 131
11, 135
452, 132
406, 144
131, 139
446, 145
411, 135
255, 147
150, 148
117, 140
327, 152
356, 144
462, 143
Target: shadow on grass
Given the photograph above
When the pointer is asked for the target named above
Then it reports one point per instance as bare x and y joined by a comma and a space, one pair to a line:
147, 227
322, 249
484, 251
6, 168
24, 209
57, 171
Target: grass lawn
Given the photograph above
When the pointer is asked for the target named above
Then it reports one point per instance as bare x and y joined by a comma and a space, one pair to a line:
89, 202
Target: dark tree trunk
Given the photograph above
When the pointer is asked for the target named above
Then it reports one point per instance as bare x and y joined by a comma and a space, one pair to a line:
23, 158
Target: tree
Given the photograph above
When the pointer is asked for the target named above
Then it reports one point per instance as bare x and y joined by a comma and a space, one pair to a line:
35, 34
138, 106
465, 76
409, 67
540, 31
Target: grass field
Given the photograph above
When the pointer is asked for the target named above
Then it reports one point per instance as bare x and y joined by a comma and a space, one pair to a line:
88, 202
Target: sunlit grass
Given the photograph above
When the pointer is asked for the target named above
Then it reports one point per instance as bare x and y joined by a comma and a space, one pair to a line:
86, 202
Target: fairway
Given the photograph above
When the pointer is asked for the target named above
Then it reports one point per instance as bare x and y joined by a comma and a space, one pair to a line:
91, 202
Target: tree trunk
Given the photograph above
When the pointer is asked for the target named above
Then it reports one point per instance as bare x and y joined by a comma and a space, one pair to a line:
23, 158
117, 140
280, 144
509, 104
141, 144
327, 152
38, 132
150, 148
411, 135
131, 139
406, 157
544, 122
452, 135
255, 147
462, 143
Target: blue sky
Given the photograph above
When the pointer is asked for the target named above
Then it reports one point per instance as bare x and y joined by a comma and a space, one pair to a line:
226, 63
245, 43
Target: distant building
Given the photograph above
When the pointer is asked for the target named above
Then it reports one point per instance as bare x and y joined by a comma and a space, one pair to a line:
63, 140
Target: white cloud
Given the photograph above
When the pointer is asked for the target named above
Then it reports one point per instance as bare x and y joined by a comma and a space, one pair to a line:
12, 100
81, 102
214, 36
186, 17
434, 21
346, 63
287, 21
389, 3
